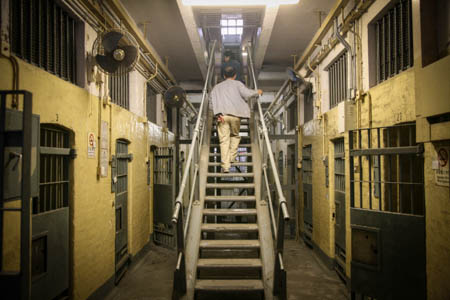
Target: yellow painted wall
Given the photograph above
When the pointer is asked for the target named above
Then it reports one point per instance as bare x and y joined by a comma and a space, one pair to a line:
386, 104
92, 220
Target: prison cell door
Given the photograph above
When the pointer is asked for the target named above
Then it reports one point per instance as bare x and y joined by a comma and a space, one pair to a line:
307, 194
339, 202
291, 189
387, 214
19, 181
120, 184
163, 195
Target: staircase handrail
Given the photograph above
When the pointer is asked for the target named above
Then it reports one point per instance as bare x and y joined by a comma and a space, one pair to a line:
195, 138
281, 198
279, 278
179, 284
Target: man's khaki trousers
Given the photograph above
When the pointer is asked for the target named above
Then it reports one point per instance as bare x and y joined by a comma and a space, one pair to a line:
229, 139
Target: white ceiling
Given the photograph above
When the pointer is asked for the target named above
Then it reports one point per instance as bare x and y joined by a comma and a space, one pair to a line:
291, 32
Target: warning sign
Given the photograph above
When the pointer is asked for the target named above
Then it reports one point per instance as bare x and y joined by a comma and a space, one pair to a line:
442, 170
91, 145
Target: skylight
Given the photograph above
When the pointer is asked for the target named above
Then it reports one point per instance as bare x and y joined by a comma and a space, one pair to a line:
232, 26
237, 2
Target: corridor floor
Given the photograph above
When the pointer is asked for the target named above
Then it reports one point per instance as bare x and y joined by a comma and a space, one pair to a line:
308, 278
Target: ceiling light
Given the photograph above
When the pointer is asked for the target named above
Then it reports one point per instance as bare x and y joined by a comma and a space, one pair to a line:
244, 53
237, 2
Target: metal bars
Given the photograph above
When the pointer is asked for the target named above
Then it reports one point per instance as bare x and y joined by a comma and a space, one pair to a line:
163, 165
337, 80
394, 169
393, 34
307, 164
54, 170
339, 166
119, 90
43, 34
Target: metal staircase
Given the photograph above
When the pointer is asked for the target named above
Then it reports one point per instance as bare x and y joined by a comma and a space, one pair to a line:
228, 246
229, 253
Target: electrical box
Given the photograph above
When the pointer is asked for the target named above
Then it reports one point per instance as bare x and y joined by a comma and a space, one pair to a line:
346, 116
12, 168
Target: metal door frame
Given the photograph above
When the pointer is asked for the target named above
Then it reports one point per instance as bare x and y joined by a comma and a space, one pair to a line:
122, 255
307, 187
340, 212
22, 278
384, 230
288, 186
164, 165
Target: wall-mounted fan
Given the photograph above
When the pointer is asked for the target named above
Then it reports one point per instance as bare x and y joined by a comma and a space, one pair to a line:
115, 51
175, 96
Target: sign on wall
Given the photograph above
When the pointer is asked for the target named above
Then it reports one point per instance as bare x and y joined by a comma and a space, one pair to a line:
441, 166
91, 145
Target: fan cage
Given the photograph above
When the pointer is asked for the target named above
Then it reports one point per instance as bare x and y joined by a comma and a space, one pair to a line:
127, 39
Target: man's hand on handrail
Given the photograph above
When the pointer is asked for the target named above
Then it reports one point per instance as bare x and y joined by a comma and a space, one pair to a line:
260, 92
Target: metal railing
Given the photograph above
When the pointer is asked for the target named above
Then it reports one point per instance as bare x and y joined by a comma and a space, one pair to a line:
279, 279
193, 159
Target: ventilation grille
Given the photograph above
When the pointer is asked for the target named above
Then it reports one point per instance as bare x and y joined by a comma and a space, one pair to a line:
394, 41
337, 78
43, 34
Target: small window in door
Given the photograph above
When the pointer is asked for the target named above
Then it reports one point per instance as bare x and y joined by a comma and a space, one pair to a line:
54, 169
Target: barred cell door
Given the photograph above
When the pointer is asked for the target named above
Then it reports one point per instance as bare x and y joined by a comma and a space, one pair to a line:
307, 193
163, 195
120, 183
339, 201
387, 214
291, 188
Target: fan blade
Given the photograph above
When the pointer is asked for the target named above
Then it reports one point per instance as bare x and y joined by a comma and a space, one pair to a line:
107, 63
111, 40
130, 56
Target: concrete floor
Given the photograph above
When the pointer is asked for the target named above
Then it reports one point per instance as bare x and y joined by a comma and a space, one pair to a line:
308, 278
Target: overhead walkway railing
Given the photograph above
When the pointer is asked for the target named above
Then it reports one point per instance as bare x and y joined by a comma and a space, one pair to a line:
277, 224
193, 161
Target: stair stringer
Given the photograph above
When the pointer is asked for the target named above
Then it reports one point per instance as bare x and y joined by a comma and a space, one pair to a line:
194, 230
264, 222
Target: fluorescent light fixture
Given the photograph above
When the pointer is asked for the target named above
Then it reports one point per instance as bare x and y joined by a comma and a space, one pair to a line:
237, 2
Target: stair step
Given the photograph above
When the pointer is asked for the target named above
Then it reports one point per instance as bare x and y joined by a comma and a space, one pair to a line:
229, 244
229, 212
230, 198
212, 164
243, 137
239, 154
244, 263
240, 145
244, 227
240, 130
230, 185
240, 285
234, 174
